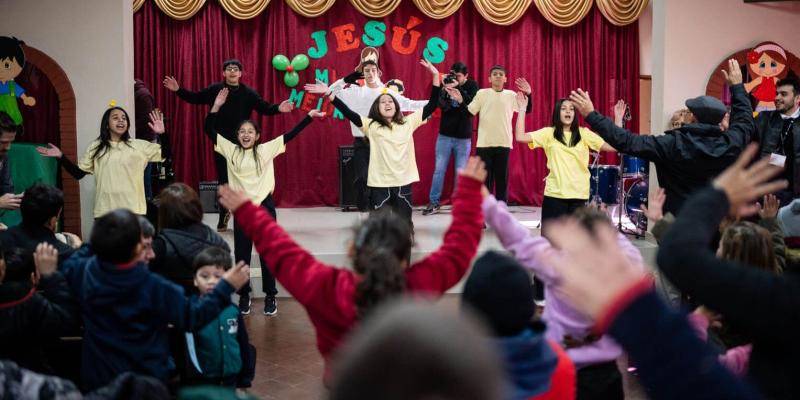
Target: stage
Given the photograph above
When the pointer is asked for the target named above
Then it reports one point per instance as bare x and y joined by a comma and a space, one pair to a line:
325, 231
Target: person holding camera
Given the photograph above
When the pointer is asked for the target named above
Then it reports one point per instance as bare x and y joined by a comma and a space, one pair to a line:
455, 129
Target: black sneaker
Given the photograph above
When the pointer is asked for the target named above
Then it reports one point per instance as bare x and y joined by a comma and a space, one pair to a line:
270, 306
244, 304
431, 209
222, 226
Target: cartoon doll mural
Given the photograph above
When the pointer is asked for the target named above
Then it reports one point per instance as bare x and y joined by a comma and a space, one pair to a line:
12, 60
766, 64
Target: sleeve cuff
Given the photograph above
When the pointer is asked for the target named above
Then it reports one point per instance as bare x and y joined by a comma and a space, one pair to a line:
621, 302
593, 118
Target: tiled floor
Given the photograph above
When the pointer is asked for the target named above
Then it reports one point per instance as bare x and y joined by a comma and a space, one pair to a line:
289, 366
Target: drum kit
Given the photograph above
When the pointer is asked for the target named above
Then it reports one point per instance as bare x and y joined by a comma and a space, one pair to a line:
624, 186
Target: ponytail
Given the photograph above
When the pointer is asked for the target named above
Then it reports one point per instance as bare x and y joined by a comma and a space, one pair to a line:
382, 243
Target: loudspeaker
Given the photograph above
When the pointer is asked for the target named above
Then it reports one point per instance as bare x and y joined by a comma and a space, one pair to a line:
347, 178
208, 196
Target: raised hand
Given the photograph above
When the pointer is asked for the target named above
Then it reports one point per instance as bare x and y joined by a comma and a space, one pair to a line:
316, 88
522, 101
237, 276
221, 98
286, 106
46, 259
523, 86
316, 114
353, 77
582, 102
171, 83
743, 185
734, 74
770, 207
157, 122
50, 151
429, 66
231, 199
474, 169
593, 270
619, 109
654, 209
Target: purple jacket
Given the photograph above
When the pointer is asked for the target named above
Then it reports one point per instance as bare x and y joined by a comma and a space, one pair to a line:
561, 318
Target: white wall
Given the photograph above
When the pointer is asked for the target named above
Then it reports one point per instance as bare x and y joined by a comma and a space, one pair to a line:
92, 40
691, 37
645, 22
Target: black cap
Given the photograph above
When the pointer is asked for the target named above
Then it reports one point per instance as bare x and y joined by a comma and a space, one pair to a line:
707, 109
499, 290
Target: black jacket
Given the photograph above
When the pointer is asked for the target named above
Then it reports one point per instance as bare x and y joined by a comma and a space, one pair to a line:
32, 317
689, 157
769, 129
761, 304
175, 250
240, 104
28, 237
456, 120
6, 184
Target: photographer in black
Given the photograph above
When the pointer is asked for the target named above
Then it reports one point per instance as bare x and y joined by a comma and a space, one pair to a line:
455, 129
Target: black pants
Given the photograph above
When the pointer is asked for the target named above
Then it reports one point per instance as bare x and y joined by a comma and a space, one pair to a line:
397, 198
361, 166
553, 208
222, 179
600, 382
496, 160
243, 248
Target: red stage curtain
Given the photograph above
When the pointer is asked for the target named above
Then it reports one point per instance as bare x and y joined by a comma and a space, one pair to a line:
41, 121
594, 55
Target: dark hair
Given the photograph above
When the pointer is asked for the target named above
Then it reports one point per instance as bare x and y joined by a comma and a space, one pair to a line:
459, 67
749, 244
590, 217
369, 62
377, 118
434, 354
19, 265
381, 244
7, 124
178, 206
115, 236
790, 81
212, 255
11, 47
241, 149
558, 126
232, 61
147, 228
497, 66
105, 133
40, 203
396, 83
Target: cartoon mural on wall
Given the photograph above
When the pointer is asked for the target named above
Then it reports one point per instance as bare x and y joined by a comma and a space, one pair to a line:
766, 64
12, 60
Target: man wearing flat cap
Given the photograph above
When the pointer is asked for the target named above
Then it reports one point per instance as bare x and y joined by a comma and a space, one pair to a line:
688, 157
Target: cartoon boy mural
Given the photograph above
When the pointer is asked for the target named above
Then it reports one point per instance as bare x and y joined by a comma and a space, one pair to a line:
767, 64
12, 60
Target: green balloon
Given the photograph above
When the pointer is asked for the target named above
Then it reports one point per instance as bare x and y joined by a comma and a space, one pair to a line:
300, 62
280, 62
291, 79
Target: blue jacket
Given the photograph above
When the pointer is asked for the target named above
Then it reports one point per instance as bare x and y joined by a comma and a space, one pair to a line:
528, 361
125, 315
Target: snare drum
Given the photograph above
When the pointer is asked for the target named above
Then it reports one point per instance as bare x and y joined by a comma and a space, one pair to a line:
634, 165
604, 183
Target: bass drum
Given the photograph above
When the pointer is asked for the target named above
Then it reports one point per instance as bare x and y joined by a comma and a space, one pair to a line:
604, 183
636, 191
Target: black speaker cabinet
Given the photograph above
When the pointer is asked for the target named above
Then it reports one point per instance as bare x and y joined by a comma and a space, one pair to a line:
347, 177
208, 196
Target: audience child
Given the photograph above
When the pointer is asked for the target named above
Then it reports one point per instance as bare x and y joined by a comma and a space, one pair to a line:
499, 290
220, 352
126, 308
36, 306
337, 298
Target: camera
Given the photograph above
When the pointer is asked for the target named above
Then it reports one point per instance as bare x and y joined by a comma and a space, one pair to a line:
449, 78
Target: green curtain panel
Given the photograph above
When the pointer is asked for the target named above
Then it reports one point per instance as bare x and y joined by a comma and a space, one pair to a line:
27, 168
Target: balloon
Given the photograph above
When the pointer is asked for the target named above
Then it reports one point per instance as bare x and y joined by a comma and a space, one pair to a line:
291, 79
280, 62
300, 62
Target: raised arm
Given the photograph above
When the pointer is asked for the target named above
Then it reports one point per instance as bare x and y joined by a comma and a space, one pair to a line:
524, 87
264, 107
742, 125
519, 127
211, 118
433, 101
739, 292
288, 136
649, 147
53, 151
188, 315
204, 96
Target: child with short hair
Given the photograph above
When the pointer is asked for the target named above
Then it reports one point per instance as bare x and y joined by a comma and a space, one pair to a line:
220, 352
126, 308
495, 138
